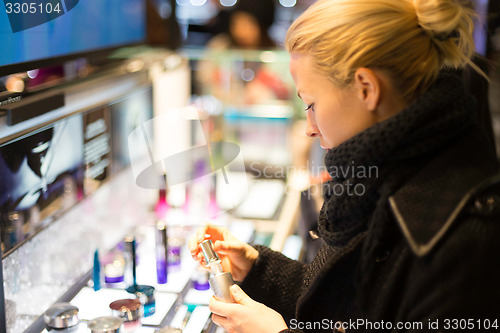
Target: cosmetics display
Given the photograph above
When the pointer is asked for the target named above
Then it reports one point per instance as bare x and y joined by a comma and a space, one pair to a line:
221, 281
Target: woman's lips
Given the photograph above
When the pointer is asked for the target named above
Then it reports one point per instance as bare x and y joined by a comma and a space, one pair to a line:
325, 148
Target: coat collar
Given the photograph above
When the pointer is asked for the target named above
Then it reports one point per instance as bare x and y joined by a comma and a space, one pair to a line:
428, 204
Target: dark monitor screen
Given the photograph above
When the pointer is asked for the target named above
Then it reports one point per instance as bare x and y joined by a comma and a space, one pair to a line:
33, 30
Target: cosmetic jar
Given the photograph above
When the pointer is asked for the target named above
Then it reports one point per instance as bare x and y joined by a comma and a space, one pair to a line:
146, 295
174, 253
12, 229
107, 324
114, 267
62, 316
130, 310
200, 279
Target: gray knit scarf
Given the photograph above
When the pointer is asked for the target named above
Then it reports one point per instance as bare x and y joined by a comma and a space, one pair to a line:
387, 152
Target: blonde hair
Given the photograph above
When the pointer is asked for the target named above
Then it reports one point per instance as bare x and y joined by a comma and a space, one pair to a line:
412, 40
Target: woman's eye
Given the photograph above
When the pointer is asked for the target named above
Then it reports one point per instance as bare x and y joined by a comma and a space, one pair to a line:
309, 107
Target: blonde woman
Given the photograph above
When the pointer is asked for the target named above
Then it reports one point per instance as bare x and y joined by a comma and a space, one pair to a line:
413, 245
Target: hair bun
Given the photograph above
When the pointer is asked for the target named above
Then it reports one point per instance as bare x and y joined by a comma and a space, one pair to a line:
450, 23
412, 39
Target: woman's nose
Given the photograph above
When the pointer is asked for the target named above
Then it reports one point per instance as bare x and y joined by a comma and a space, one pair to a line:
311, 127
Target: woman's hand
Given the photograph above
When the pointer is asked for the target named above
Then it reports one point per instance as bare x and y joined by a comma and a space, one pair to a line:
236, 256
246, 315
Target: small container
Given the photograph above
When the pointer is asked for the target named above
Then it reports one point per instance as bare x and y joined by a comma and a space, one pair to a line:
200, 279
114, 267
12, 229
130, 310
106, 324
146, 294
62, 316
174, 253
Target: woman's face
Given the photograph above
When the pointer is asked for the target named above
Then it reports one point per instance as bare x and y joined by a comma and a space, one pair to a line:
333, 114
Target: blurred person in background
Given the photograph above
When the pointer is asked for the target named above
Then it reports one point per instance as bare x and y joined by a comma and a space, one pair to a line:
249, 23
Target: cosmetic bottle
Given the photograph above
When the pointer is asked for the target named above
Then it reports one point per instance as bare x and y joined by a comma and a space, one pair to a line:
96, 272
221, 281
162, 207
199, 190
161, 253
12, 229
128, 248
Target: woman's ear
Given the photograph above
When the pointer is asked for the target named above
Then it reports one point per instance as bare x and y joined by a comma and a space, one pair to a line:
368, 86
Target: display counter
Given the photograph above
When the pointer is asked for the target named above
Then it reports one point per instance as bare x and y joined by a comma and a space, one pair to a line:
180, 302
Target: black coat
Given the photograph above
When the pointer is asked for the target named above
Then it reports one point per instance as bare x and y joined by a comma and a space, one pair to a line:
433, 257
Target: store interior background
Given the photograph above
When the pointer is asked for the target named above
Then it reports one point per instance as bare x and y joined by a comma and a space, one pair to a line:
77, 178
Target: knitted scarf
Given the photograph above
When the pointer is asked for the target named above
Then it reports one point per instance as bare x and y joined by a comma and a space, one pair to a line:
387, 152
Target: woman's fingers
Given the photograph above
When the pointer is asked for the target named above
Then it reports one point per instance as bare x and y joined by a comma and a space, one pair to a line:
228, 247
201, 234
219, 307
221, 247
193, 246
219, 320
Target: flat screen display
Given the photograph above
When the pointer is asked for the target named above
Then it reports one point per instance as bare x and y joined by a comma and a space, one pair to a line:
40, 174
34, 30
46, 172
